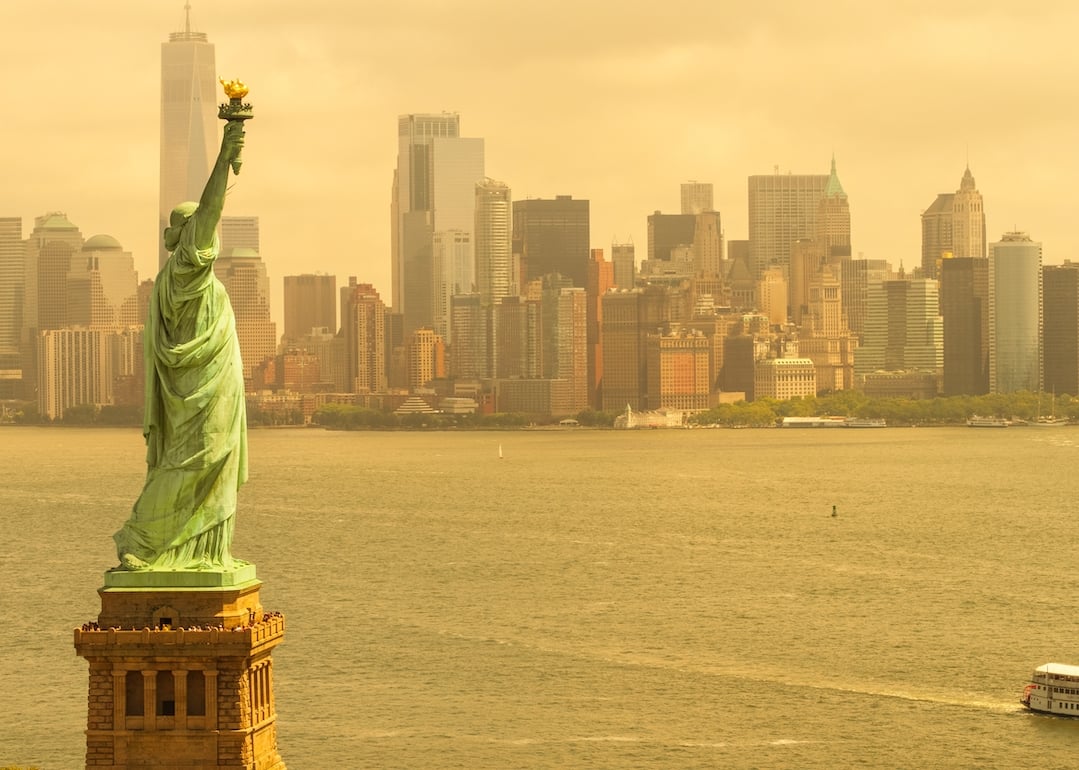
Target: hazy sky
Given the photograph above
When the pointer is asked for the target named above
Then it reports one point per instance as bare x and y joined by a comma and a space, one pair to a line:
615, 102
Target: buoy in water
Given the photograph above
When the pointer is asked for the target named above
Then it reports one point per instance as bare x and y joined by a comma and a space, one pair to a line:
834, 514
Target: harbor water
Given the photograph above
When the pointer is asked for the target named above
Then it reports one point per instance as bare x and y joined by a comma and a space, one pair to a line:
596, 599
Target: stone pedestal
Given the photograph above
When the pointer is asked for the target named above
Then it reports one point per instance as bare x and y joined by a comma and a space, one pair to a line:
181, 676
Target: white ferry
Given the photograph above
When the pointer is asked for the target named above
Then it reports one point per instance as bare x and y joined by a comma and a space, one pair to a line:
1053, 689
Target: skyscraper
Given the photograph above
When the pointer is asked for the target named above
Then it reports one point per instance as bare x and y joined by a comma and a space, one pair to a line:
188, 120
964, 307
833, 218
495, 277
624, 261
426, 354
240, 232
473, 349
553, 237
310, 303
50, 248
903, 328
1015, 314
696, 197
516, 330
708, 245
600, 281
936, 234
772, 295
433, 191
564, 339
1060, 334
968, 219
678, 369
102, 286
855, 277
12, 280
628, 318
782, 209
244, 276
666, 232
453, 266
953, 224
363, 318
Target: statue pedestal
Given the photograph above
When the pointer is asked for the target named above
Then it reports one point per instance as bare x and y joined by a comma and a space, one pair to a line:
181, 675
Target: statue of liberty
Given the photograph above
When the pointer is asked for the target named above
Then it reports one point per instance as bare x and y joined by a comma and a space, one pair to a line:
195, 421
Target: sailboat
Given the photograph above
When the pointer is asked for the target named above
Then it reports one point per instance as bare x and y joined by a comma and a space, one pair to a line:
499, 451
1051, 419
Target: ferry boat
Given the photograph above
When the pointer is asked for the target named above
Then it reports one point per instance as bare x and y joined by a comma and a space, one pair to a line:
1053, 689
987, 422
865, 422
832, 422
813, 422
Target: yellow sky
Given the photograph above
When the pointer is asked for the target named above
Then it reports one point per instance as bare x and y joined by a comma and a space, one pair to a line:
615, 102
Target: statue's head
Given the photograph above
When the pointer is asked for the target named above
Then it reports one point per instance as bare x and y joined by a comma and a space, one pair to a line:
177, 219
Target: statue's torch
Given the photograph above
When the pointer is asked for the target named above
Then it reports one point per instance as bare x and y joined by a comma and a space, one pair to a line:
236, 109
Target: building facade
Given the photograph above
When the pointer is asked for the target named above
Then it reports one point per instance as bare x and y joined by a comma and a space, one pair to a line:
679, 370
784, 378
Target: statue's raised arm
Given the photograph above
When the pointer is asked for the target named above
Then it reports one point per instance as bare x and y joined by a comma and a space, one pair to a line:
212, 202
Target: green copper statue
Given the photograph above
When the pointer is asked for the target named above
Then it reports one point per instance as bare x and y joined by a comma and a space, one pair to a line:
195, 424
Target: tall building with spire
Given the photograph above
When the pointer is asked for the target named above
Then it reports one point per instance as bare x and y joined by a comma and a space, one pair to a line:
968, 219
188, 120
833, 218
953, 225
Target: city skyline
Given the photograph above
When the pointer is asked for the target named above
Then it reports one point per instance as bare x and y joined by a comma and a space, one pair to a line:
624, 122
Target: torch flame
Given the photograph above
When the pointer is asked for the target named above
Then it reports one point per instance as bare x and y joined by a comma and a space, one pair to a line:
234, 89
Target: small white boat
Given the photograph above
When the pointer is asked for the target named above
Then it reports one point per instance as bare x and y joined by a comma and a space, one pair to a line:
865, 422
1053, 689
987, 422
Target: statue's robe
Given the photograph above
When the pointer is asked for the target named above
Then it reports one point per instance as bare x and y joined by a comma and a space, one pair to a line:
195, 420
